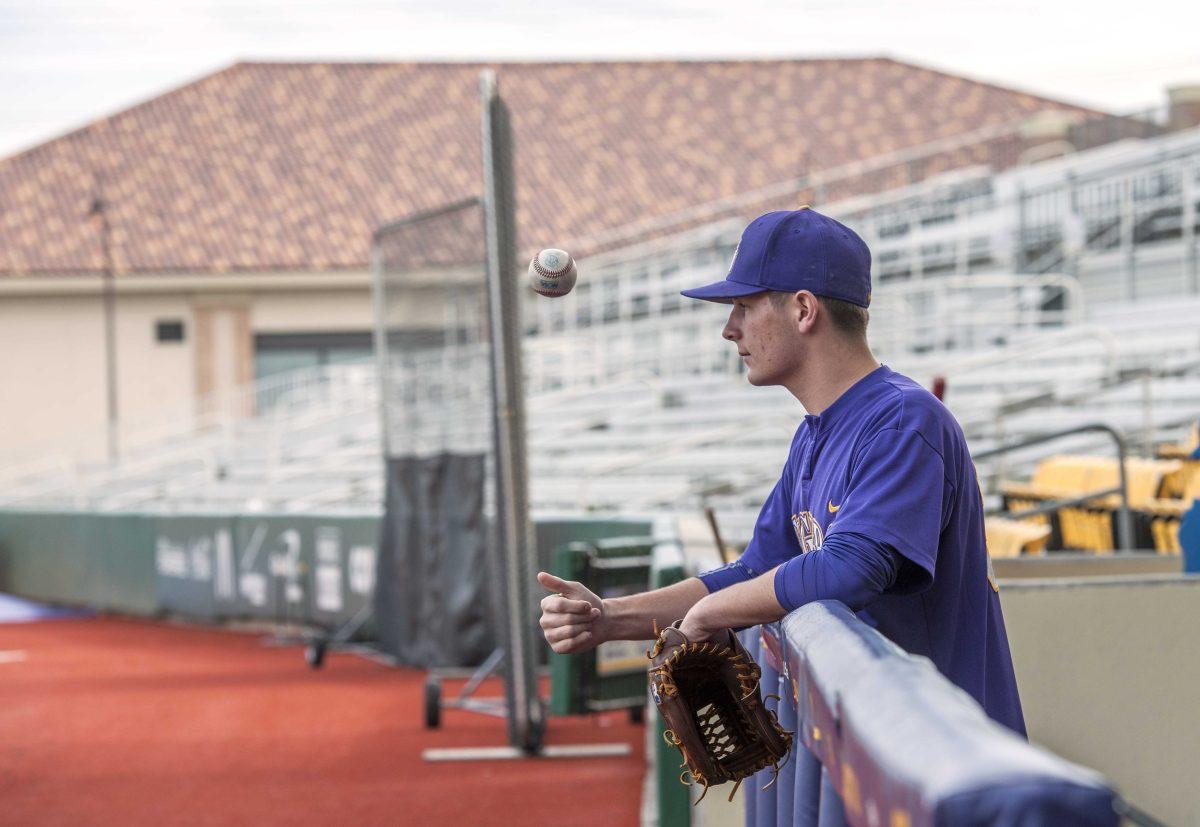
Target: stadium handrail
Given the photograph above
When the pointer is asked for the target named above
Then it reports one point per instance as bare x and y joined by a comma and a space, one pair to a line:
898, 742
1124, 516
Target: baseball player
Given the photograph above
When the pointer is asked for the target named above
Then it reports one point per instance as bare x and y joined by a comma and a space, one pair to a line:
878, 504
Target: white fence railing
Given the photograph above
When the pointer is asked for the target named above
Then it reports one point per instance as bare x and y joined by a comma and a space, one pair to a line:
216, 419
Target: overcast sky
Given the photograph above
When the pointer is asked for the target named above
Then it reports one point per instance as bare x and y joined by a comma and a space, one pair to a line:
64, 63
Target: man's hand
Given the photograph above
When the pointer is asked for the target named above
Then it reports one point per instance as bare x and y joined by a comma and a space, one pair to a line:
733, 607
697, 625
572, 618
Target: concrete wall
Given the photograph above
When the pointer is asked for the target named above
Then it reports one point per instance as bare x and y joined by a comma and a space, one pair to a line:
340, 310
1109, 670
312, 312
53, 368
149, 373
1083, 564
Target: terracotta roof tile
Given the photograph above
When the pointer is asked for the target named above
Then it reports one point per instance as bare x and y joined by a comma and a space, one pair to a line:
292, 166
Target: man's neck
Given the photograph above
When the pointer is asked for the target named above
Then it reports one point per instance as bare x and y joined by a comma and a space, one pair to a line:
826, 379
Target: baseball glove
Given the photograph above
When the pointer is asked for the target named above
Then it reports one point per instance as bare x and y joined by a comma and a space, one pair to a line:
707, 694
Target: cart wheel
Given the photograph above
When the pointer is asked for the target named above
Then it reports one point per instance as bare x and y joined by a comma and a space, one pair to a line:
433, 703
314, 653
637, 714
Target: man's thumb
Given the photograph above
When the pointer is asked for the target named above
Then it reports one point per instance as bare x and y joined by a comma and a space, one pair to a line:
554, 584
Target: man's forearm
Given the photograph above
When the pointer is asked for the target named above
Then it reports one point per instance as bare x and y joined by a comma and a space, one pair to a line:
634, 617
735, 607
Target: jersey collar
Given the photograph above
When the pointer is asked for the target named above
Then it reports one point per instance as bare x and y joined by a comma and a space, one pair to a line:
819, 423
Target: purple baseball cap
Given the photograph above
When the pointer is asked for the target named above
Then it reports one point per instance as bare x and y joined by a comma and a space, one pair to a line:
795, 250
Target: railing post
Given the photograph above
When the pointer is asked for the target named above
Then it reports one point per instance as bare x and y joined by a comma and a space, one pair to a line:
1124, 516
1019, 259
1128, 227
1148, 412
1188, 189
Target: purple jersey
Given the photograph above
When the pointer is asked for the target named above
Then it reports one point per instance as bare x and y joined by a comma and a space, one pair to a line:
887, 460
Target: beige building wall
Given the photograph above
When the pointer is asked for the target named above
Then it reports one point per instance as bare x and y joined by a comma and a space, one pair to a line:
312, 312
151, 375
51, 370
52, 348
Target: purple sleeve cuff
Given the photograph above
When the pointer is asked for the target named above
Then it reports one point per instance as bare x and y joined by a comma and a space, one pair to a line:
851, 568
727, 575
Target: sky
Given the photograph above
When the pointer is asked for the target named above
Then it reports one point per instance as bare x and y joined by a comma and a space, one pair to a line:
65, 63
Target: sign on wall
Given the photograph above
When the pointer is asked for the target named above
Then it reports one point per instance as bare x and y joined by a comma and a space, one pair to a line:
285, 569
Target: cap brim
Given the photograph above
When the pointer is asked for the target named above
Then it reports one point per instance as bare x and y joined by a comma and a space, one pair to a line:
723, 291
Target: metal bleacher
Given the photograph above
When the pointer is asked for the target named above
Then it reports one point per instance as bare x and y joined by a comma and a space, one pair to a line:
1046, 296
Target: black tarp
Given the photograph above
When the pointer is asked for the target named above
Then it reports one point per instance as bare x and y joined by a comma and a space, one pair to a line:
432, 596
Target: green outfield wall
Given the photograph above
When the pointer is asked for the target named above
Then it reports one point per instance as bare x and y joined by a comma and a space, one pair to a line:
316, 570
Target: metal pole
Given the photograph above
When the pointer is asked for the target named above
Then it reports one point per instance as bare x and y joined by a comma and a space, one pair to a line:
382, 366
1019, 260
109, 302
1192, 267
1074, 229
1124, 515
1148, 412
1128, 230
515, 532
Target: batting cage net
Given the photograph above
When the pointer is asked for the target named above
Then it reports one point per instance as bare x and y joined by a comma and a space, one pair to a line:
433, 351
456, 556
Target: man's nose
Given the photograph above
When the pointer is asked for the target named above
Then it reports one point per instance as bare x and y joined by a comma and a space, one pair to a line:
730, 331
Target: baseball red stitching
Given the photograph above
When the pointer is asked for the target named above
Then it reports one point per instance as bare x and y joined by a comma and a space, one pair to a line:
551, 274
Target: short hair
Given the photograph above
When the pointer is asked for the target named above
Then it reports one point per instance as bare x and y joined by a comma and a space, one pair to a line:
848, 318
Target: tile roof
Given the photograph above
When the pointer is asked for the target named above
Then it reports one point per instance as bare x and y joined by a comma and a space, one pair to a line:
291, 166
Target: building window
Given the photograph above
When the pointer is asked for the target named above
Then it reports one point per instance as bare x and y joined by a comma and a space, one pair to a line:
276, 353
168, 330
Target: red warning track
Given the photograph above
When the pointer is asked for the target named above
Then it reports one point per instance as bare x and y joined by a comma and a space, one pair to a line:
108, 722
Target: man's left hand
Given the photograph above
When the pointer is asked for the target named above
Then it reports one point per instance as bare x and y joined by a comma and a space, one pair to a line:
696, 625
733, 607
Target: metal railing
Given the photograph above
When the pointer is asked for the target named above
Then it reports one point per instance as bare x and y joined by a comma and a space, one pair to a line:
1124, 515
969, 313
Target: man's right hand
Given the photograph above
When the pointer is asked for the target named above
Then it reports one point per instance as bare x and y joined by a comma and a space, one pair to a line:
572, 617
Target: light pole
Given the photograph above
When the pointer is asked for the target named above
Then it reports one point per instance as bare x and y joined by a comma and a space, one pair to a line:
99, 213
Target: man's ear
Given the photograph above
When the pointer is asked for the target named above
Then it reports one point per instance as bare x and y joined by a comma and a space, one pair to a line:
806, 309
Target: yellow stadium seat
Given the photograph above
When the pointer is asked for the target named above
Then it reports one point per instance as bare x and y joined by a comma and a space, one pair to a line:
1012, 538
1089, 526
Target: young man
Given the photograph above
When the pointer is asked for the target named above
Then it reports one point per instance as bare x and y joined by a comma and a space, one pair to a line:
878, 504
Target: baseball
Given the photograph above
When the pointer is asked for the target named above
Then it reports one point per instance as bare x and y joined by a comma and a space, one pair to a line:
552, 273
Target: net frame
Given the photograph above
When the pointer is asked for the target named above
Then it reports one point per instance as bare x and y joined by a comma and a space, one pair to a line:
457, 386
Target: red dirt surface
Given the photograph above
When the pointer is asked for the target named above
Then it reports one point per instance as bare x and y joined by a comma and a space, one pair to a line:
113, 721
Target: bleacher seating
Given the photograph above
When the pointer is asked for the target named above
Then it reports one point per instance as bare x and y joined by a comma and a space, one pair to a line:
635, 403
1180, 490
644, 442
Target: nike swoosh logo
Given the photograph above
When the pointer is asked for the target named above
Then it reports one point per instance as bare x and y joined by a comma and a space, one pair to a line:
833, 509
